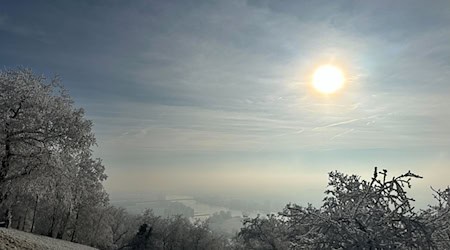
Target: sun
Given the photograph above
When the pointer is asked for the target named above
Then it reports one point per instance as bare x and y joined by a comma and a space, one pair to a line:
328, 79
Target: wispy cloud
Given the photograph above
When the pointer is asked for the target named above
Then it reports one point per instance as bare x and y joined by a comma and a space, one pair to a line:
168, 83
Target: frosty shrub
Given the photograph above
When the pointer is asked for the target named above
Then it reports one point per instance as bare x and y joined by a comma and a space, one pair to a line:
355, 214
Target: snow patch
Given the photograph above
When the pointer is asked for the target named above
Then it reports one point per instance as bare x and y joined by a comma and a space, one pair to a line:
15, 239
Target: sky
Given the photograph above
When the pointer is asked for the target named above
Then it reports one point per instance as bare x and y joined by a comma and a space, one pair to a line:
215, 97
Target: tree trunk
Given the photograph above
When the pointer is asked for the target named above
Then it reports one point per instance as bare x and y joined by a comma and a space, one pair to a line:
24, 219
62, 230
52, 226
8, 154
75, 226
18, 222
98, 224
5, 161
9, 217
3, 172
34, 213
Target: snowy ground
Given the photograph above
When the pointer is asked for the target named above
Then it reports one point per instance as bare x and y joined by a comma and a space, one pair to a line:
14, 239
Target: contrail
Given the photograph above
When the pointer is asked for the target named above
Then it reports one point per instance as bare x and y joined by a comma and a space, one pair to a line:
341, 134
337, 124
344, 122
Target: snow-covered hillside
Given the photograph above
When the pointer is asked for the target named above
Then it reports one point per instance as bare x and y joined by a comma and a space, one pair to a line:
14, 239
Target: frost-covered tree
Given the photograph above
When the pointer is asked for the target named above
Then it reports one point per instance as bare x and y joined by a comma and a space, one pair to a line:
359, 214
355, 214
49, 180
269, 233
88, 197
438, 218
122, 226
174, 232
37, 121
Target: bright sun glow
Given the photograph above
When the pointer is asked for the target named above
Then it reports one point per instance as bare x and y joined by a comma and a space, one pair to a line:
328, 79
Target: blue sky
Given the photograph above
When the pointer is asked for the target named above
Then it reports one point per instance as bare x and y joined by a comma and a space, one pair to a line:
215, 96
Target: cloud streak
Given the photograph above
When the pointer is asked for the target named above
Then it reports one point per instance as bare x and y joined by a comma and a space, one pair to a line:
174, 83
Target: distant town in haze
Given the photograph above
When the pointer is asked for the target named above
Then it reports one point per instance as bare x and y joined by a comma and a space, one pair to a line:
233, 124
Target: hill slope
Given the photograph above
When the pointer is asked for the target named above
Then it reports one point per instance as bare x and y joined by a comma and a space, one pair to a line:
15, 239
